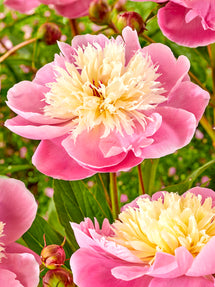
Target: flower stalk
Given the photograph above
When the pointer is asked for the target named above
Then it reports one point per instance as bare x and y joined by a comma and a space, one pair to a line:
114, 195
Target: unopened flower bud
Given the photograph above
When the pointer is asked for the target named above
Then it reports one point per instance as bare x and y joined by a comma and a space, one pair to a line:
131, 19
58, 278
99, 12
49, 33
53, 256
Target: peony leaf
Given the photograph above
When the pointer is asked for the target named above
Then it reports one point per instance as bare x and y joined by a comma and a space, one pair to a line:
74, 201
187, 184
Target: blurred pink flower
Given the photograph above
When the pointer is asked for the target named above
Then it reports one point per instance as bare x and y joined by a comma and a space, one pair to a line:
18, 264
105, 105
123, 197
49, 191
66, 8
171, 171
70, 8
168, 240
187, 23
22, 6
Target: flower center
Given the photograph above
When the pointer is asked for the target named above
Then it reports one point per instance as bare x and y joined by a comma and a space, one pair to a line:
165, 225
1, 244
100, 89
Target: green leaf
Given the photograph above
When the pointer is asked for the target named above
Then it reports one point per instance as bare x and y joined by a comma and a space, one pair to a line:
34, 236
74, 201
187, 184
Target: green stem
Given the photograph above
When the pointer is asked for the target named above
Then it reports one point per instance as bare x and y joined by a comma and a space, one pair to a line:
74, 27
140, 177
105, 191
209, 129
114, 195
17, 47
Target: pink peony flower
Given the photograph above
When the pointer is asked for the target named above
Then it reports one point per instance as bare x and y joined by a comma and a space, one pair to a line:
105, 105
66, 8
187, 23
70, 8
165, 241
18, 264
23, 6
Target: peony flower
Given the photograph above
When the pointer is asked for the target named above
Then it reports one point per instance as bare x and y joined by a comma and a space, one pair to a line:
105, 105
70, 8
22, 6
18, 264
165, 241
66, 8
187, 23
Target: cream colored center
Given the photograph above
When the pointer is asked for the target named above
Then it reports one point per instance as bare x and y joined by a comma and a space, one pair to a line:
99, 89
165, 225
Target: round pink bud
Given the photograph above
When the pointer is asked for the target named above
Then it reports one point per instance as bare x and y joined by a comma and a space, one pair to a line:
49, 33
99, 12
58, 278
131, 19
53, 256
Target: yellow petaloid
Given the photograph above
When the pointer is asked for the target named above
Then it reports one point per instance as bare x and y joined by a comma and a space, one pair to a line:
164, 225
99, 88
1, 234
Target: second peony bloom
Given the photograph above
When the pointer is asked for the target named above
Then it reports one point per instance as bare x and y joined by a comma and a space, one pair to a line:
104, 105
164, 241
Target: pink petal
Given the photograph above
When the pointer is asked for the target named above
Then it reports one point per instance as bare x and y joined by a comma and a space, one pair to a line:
21, 101
184, 97
24, 266
181, 282
84, 40
171, 20
176, 131
204, 192
18, 209
169, 266
18, 248
132, 43
128, 273
93, 269
75, 9
35, 131
91, 156
8, 278
204, 263
51, 159
163, 57
22, 6
45, 75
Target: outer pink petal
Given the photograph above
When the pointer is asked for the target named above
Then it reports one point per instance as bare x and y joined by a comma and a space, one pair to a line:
35, 131
204, 192
27, 100
171, 20
184, 97
93, 269
91, 156
18, 248
182, 282
45, 75
132, 43
22, 6
74, 10
169, 266
176, 131
163, 57
8, 278
204, 263
18, 208
51, 159
84, 40
128, 162
25, 267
